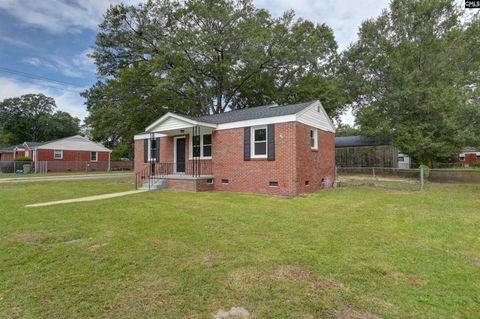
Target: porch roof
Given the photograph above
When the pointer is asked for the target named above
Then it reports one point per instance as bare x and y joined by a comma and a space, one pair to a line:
174, 124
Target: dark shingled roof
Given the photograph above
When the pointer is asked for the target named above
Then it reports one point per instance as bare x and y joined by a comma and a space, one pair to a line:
251, 113
355, 141
8, 149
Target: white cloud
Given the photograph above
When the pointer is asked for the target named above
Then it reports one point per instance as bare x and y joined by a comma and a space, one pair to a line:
15, 42
59, 16
76, 67
32, 61
68, 99
344, 17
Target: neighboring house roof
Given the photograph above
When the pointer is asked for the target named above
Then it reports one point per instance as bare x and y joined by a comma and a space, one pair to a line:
470, 150
32, 144
8, 149
355, 141
72, 143
310, 113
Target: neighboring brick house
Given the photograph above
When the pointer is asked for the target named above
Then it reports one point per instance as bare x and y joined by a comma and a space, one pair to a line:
69, 154
281, 150
468, 156
13, 152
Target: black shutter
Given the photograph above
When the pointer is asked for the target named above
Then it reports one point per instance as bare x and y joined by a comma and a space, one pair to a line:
157, 149
246, 143
145, 150
271, 142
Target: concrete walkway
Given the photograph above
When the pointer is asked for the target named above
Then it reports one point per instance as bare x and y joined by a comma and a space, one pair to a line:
88, 198
62, 178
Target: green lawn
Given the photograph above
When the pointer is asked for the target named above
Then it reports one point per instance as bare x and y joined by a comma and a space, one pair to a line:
13, 175
166, 254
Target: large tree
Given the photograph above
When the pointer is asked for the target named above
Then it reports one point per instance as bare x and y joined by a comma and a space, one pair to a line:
203, 57
415, 72
32, 117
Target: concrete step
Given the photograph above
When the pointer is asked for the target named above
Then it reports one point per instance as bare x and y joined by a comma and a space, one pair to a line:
156, 184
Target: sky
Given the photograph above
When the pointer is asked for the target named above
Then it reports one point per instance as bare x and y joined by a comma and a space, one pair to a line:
45, 40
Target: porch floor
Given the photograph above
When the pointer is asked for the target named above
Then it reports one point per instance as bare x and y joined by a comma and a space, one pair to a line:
183, 176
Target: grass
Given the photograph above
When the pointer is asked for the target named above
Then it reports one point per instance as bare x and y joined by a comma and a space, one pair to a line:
354, 250
13, 175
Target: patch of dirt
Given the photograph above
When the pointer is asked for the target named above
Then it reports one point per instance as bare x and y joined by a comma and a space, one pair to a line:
208, 261
245, 277
147, 294
416, 281
96, 246
294, 273
32, 237
350, 313
233, 313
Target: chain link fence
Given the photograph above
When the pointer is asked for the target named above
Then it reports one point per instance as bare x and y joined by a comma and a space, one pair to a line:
44, 167
405, 179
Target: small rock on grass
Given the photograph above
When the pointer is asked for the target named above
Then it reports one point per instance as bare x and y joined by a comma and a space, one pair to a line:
233, 313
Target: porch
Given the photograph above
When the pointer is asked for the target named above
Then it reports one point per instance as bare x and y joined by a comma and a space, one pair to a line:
177, 154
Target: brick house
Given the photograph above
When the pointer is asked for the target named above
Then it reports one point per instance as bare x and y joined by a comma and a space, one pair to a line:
279, 150
468, 156
70, 154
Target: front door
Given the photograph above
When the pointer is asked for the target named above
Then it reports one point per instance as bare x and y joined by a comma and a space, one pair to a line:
180, 156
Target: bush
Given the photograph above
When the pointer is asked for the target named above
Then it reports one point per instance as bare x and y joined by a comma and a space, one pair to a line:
426, 170
23, 159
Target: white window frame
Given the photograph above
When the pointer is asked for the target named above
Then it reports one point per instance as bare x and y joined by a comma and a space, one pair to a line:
461, 157
190, 148
55, 155
96, 157
315, 138
252, 141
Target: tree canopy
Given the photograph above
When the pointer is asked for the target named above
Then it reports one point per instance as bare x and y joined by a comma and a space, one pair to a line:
203, 57
415, 73
32, 117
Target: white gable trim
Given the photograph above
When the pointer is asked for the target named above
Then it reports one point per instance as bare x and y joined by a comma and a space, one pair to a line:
316, 116
178, 117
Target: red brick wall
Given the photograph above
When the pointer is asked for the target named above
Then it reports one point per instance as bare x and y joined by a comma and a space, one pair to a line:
314, 165
191, 185
470, 158
84, 156
166, 152
6, 157
254, 176
73, 161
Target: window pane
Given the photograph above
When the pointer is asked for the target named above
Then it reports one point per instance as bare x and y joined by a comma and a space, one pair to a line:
261, 135
311, 133
93, 156
207, 150
312, 142
261, 148
207, 139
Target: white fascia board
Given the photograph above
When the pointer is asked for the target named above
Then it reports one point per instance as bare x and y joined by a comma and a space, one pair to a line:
147, 135
178, 117
256, 122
